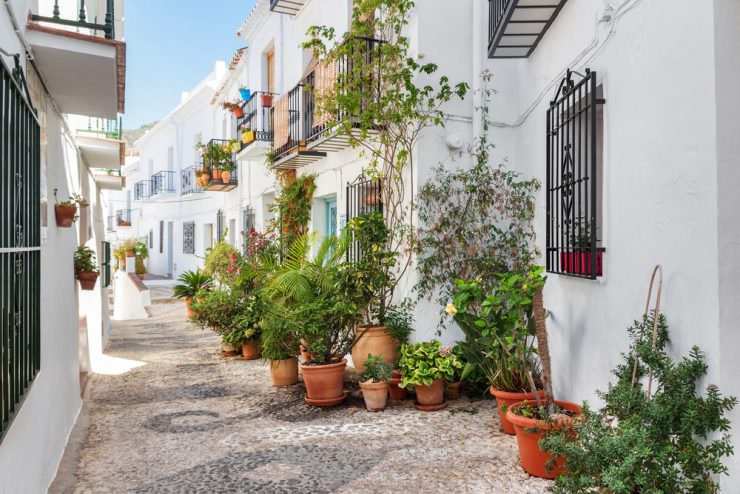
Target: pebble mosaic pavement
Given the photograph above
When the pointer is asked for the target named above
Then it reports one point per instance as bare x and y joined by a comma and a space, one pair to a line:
191, 421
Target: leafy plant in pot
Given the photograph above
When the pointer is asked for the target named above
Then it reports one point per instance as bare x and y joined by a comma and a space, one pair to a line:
374, 383
86, 267
129, 247
426, 367
315, 303
279, 346
218, 309
500, 337
190, 283
249, 327
66, 211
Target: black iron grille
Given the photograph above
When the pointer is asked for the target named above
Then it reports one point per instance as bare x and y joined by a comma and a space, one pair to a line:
364, 196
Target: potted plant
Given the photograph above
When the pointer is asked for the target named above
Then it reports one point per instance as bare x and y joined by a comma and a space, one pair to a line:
266, 100
66, 211
374, 270
394, 386
317, 303
374, 383
245, 93
141, 253
248, 136
129, 247
218, 310
85, 267
500, 338
578, 259
279, 346
249, 325
190, 284
226, 168
452, 387
426, 367
234, 107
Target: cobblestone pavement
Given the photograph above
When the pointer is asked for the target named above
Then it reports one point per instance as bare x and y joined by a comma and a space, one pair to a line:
190, 420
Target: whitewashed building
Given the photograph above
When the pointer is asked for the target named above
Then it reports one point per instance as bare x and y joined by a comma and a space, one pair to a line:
63, 84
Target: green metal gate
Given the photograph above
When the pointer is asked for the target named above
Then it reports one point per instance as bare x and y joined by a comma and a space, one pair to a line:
20, 244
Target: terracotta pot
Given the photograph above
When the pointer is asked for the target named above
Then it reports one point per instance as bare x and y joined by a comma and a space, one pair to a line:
375, 395
528, 434
217, 174
324, 383
88, 279
129, 253
266, 100
284, 372
225, 176
65, 215
238, 112
188, 303
251, 350
227, 349
452, 390
373, 340
396, 392
505, 399
431, 395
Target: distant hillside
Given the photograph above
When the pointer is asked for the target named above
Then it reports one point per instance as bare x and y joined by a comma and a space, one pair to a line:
132, 135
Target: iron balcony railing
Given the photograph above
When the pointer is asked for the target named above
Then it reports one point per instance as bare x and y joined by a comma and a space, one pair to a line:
142, 189
256, 124
355, 72
103, 127
161, 182
123, 217
95, 28
497, 12
189, 182
289, 131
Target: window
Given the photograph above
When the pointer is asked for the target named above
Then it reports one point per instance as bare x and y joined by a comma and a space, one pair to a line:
151, 239
20, 245
161, 237
363, 196
219, 225
188, 238
574, 178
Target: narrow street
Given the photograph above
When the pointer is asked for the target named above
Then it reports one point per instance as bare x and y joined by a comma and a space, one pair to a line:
190, 420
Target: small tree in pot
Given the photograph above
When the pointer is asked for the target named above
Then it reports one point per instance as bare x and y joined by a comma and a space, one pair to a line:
86, 267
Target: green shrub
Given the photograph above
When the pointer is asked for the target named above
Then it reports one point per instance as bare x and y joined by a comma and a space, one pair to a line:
222, 262
190, 283
217, 309
376, 370
424, 363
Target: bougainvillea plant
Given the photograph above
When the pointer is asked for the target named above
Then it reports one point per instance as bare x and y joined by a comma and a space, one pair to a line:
474, 222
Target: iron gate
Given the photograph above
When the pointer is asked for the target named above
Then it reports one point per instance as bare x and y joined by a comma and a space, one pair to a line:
20, 244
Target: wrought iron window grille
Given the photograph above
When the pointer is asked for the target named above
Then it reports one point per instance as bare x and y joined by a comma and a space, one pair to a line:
188, 238
574, 146
363, 196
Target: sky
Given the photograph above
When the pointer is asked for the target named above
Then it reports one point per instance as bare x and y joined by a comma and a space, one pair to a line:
170, 46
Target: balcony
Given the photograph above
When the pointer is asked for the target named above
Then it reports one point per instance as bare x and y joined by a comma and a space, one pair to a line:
109, 179
123, 218
219, 172
289, 7
142, 190
255, 127
515, 27
189, 181
330, 131
101, 144
82, 59
162, 182
289, 116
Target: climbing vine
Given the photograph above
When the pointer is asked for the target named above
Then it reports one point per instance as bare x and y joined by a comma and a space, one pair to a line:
293, 207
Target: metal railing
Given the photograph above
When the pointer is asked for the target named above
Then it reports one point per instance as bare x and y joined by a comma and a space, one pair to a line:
123, 217
161, 182
189, 182
142, 189
256, 124
107, 28
498, 10
290, 118
103, 127
20, 244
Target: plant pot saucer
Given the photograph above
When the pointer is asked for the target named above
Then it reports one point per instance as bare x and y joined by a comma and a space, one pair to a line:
329, 402
430, 408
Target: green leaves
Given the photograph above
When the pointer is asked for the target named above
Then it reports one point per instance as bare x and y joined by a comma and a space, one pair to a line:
424, 363
192, 282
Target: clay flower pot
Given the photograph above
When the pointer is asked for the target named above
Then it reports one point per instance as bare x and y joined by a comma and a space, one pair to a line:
530, 431
324, 383
65, 215
87, 279
225, 176
238, 112
373, 340
227, 350
396, 392
284, 372
430, 398
505, 399
251, 350
375, 395
452, 390
129, 253
266, 100
188, 302
217, 174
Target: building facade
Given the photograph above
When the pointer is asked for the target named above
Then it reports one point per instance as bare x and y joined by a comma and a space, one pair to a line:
63, 86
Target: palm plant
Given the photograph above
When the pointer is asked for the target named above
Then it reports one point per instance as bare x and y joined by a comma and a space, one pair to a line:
192, 282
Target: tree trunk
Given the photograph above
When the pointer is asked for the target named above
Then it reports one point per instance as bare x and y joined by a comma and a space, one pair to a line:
538, 309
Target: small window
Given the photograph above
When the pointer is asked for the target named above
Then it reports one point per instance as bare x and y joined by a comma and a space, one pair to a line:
151, 239
161, 237
574, 178
188, 238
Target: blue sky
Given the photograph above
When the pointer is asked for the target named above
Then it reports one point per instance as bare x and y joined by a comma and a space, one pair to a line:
171, 45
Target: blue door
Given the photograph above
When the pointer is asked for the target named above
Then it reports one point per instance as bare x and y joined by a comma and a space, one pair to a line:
331, 217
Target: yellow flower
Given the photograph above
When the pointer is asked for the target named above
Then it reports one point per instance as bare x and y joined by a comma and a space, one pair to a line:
451, 309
